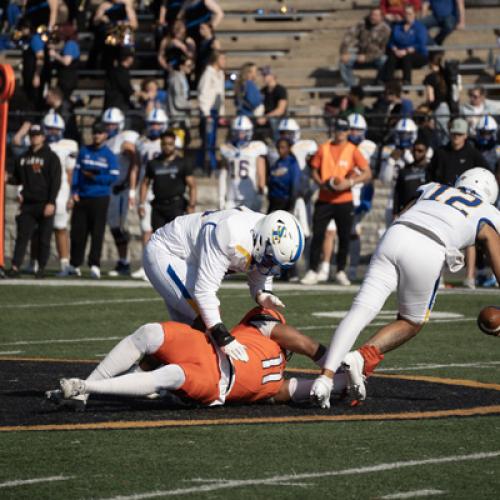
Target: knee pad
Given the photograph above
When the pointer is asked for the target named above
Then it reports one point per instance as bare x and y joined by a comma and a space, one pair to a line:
148, 338
120, 235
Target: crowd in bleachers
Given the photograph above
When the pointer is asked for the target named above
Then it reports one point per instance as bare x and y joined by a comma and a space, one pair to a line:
395, 139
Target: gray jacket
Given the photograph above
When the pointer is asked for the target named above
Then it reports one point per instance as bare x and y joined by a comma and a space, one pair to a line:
178, 105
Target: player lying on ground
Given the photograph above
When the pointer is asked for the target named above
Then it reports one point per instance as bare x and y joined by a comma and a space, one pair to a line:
194, 367
409, 259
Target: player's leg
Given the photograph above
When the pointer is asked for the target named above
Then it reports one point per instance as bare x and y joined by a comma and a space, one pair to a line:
344, 213
146, 232
327, 252
173, 279
298, 390
26, 224
61, 232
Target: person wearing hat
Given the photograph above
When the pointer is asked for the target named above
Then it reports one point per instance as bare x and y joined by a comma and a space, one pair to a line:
452, 160
448, 164
336, 168
38, 172
95, 171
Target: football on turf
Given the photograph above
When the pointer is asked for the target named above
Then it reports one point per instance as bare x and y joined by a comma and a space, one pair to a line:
489, 320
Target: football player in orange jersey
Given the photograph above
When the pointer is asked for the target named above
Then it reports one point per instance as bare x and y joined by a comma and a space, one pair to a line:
190, 365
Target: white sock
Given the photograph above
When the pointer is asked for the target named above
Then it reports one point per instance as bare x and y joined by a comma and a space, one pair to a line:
63, 263
147, 339
168, 377
300, 388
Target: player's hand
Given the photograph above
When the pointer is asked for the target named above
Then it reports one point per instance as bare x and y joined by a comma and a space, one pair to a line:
49, 210
228, 344
320, 391
268, 300
142, 211
236, 351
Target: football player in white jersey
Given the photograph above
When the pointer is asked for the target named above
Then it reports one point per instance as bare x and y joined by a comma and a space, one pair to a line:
123, 144
242, 178
409, 260
187, 259
148, 148
395, 157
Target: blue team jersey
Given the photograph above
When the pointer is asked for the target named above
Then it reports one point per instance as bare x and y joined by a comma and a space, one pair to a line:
71, 48
102, 163
284, 178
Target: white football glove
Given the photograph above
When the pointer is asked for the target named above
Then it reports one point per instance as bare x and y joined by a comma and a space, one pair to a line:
268, 300
320, 391
236, 351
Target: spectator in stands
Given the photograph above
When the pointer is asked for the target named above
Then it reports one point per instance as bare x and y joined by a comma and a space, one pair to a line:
333, 170
479, 106
55, 102
174, 45
38, 172
178, 105
447, 15
211, 96
151, 96
196, 12
429, 130
364, 45
165, 12
407, 48
205, 46
275, 101
284, 178
96, 170
65, 55
411, 176
41, 13
345, 105
108, 16
118, 89
437, 91
394, 10
247, 96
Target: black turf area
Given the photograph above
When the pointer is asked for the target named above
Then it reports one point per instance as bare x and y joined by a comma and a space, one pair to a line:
23, 383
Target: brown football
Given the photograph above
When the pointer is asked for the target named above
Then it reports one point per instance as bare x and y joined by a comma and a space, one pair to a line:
488, 320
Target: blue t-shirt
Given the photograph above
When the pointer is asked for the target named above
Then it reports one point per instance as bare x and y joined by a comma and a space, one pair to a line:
443, 8
250, 99
284, 178
36, 43
71, 48
102, 163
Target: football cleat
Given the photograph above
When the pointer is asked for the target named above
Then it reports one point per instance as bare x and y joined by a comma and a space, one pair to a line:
310, 278
342, 279
353, 365
72, 387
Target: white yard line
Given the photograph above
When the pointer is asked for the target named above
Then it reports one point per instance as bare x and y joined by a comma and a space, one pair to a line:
433, 366
22, 482
61, 341
413, 494
79, 303
240, 285
9, 353
224, 484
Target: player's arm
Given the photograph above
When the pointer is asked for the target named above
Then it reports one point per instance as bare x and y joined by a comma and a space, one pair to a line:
491, 241
222, 186
191, 185
261, 175
290, 339
143, 193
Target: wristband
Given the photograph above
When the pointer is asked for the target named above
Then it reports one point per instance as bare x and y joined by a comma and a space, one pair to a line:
221, 335
131, 193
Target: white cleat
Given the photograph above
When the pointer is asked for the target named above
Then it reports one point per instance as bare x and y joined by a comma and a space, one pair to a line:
140, 274
311, 278
95, 273
353, 366
342, 279
470, 283
72, 387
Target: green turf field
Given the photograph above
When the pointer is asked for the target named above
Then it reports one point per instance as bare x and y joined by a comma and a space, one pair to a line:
455, 457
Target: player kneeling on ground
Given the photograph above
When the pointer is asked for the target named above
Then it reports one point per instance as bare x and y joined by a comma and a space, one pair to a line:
193, 367
409, 260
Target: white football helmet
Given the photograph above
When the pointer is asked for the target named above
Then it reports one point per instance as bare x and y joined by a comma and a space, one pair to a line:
157, 123
486, 132
481, 182
241, 131
405, 133
278, 242
114, 121
54, 126
290, 129
357, 126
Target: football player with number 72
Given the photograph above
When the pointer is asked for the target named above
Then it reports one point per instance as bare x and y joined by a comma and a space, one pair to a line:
409, 259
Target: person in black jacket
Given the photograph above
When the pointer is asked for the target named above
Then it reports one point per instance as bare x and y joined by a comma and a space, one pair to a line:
451, 161
118, 87
38, 171
411, 177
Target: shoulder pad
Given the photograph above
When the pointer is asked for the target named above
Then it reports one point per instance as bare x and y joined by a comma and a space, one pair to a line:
258, 148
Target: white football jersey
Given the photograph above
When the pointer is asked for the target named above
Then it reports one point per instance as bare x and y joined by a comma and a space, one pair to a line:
368, 149
116, 145
67, 151
302, 150
451, 214
242, 173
